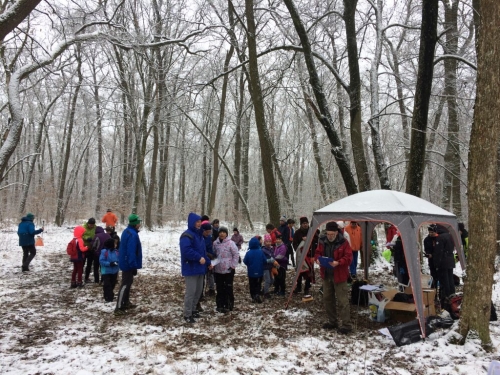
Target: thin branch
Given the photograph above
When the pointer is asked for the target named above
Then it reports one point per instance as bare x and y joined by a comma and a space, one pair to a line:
456, 57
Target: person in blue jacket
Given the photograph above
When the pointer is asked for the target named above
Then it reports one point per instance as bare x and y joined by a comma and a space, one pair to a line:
129, 260
255, 261
26, 232
194, 263
108, 259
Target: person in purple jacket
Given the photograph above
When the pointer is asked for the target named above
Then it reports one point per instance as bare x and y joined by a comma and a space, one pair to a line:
227, 255
97, 245
280, 255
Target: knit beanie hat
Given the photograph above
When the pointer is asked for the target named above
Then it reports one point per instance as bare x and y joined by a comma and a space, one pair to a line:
223, 229
30, 216
236, 230
332, 226
267, 237
134, 219
91, 221
206, 225
303, 219
254, 243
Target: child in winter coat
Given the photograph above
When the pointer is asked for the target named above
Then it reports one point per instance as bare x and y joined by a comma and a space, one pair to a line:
255, 261
268, 251
79, 258
108, 260
280, 254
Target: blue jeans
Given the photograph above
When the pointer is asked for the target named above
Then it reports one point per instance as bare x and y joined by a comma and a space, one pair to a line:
354, 263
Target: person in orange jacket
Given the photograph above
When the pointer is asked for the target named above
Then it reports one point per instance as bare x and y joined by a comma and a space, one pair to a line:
356, 240
110, 219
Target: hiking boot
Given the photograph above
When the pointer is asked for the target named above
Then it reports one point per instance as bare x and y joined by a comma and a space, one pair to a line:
79, 285
198, 307
119, 312
297, 290
25, 269
73, 284
258, 299
344, 330
211, 293
189, 319
196, 314
222, 310
129, 306
329, 325
88, 281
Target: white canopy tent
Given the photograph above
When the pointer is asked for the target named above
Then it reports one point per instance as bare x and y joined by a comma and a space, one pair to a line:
407, 212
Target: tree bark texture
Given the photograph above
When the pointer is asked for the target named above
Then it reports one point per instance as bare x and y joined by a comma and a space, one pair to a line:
11, 17
260, 119
324, 115
428, 39
475, 311
358, 149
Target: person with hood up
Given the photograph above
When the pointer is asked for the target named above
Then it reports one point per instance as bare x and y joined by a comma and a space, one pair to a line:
255, 260
109, 268
88, 238
26, 232
76, 276
97, 245
227, 254
194, 263
335, 288
129, 260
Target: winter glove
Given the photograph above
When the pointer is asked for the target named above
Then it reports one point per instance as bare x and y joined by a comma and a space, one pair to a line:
113, 264
270, 260
134, 272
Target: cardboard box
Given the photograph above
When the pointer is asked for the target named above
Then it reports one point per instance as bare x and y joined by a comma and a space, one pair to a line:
404, 312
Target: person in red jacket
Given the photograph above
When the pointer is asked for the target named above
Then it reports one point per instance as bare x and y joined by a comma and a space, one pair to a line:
335, 275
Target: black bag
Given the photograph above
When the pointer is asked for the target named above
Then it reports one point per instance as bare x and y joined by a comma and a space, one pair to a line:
356, 294
439, 322
409, 333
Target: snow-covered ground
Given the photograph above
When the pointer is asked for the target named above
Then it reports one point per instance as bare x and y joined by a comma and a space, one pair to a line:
48, 328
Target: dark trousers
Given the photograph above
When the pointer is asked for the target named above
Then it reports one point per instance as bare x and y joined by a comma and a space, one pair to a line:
289, 254
124, 291
224, 285
255, 286
446, 284
307, 279
76, 276
92, 259
280, 281
29, 253
108, 286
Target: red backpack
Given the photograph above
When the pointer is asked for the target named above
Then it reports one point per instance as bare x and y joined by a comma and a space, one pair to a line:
71, 249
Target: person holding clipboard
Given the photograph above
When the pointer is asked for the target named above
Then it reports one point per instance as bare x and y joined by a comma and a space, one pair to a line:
334, 255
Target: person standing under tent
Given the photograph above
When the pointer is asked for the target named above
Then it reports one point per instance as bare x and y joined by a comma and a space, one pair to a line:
299, 237
444, 262
335, 287
355, 235
26, 232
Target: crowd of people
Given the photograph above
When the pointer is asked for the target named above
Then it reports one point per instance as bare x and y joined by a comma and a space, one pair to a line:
209, 257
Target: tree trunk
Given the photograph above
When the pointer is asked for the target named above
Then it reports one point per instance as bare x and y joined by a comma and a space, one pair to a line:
323, 113
475, 311
222, 111
260, 119
428, 39
358, 149
97, 101
69, 135
451, 186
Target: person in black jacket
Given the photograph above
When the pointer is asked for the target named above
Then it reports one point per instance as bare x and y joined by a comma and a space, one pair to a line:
444, 262
429, 243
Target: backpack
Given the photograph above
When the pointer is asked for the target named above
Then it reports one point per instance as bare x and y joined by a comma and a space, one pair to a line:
71, 249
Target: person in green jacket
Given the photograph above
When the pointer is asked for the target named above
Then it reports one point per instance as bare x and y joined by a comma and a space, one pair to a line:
88, 238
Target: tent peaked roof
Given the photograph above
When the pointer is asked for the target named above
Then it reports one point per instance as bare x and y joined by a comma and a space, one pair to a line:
384, 201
